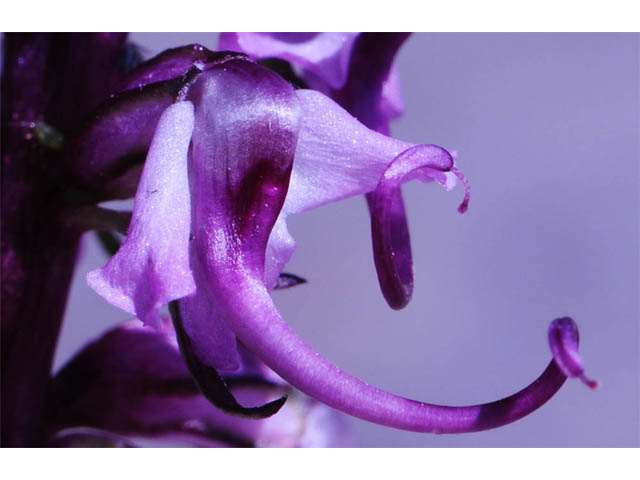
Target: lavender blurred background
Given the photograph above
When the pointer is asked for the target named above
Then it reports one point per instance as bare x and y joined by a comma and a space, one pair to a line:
546, 126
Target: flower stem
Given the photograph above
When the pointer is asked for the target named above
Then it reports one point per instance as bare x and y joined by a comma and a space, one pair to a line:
53, 80
30, 333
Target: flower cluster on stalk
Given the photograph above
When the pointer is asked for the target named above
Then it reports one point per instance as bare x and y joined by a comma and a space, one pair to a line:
219, 149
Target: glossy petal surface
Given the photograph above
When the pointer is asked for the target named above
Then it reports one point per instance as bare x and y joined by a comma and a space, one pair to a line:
247, 121
174, 63
152, 266
108, 153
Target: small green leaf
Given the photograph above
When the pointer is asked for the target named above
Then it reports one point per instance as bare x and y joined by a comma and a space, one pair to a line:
48, 136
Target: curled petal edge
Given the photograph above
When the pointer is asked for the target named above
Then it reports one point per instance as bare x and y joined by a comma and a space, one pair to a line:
211, 384
563, 341
389, 230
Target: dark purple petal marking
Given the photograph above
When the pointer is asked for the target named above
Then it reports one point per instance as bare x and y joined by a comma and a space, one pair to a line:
563, 341
210, 383
336, 158
247, 121
288, 280
368, 89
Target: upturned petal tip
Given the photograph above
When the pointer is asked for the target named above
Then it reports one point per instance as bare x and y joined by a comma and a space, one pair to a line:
563, 341
464, 205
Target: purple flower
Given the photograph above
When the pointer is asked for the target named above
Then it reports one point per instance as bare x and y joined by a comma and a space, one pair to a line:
131, 388
236, 150
352, 68
358, 72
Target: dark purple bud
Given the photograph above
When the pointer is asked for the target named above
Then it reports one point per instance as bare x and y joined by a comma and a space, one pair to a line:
174, 63
132, 384
108, 152
370, 65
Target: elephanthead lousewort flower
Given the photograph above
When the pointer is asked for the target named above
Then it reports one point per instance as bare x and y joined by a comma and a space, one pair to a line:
233, 150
